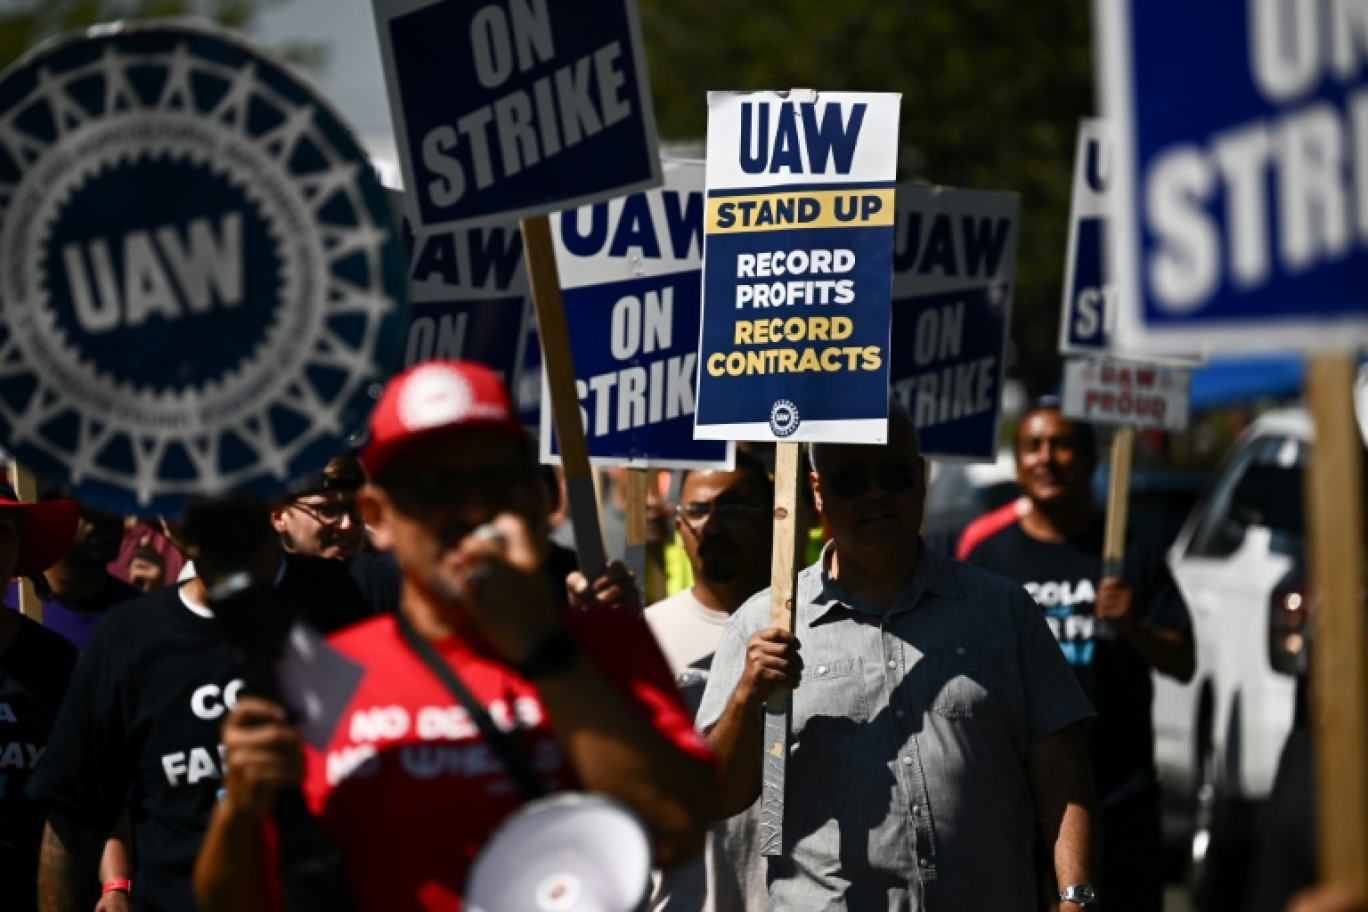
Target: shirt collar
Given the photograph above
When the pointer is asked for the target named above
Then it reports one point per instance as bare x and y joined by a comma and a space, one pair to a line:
934, 574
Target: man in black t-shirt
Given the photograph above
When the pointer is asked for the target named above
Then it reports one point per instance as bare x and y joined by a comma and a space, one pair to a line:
140, 727
35, 665
1112, 632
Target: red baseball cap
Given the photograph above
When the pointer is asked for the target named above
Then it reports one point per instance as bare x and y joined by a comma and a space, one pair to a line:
436, 398
46, 530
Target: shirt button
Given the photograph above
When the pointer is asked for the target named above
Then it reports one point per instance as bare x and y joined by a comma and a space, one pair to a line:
922, 861
821, 669
916, 810
907, 761
959, 651
892, 663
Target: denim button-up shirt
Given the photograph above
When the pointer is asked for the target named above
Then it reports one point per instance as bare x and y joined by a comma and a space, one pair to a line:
906, 782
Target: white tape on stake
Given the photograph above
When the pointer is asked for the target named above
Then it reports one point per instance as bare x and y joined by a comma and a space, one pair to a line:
783, 613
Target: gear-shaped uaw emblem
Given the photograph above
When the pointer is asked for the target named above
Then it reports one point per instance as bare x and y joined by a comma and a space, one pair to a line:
200, 280
783, 418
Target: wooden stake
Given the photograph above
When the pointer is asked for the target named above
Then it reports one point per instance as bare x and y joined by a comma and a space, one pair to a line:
1118, 502
788, 470
26, 486
784, 565
634, 538
559, 368
1339, 667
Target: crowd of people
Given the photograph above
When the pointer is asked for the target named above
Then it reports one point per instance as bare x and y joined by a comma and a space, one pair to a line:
968, 732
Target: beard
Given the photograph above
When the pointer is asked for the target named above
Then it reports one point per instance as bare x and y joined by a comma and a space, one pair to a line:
715, 570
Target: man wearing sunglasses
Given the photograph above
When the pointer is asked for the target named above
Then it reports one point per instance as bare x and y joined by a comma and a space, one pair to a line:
1112, 632
724, 522
933, 716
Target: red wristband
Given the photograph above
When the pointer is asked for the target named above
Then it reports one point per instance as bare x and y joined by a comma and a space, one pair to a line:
118, 885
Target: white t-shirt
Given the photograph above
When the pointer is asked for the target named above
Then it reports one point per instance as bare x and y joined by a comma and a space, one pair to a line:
730, 875
687, 631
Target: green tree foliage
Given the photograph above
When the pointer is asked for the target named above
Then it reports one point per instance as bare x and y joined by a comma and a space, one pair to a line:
992, 94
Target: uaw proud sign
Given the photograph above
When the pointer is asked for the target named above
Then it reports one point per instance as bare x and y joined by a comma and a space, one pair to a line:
199, 276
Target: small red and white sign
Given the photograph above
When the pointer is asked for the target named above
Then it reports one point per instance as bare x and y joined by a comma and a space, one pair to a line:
1126, 393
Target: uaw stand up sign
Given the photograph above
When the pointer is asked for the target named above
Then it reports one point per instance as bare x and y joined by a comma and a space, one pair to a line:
199, 275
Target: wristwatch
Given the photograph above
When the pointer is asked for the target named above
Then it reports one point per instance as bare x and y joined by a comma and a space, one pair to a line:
1081, 894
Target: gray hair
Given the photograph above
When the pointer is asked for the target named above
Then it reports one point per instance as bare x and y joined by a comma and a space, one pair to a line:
897, 415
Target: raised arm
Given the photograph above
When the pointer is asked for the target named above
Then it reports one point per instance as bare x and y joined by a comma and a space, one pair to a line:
611, 743
261, 756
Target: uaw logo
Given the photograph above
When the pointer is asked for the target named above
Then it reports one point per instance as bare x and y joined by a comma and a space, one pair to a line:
200, 282
783, 418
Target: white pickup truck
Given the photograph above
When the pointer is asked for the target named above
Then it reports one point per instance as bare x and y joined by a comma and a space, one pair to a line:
1239, 563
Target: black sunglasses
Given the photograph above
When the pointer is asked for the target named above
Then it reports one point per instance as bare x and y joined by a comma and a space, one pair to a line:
852, 481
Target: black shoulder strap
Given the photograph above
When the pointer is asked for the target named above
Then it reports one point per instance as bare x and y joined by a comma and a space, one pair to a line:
514, 759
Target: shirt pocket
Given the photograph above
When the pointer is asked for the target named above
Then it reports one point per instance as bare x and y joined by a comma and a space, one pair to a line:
964, 682
833, 688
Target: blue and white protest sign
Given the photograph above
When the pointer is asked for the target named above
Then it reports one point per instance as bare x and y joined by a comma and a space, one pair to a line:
468, 296
1090, 307
631, 283
954, 266
201, 282
513, 108
1240, 129
797, 271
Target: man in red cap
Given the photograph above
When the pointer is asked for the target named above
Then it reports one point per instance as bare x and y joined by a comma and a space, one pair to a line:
407, 787
35, 665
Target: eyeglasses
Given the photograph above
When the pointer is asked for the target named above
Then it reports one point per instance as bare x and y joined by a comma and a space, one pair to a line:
328, 512
731, 515
893, 478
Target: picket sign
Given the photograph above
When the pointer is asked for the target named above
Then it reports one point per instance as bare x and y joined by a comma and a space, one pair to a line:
497, 116
559, 371
634, 537
800, 209
1239, 216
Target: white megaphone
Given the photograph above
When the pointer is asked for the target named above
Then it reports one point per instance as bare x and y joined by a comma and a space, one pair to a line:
569, 852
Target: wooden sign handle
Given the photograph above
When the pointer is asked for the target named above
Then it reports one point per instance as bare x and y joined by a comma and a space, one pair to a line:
559, 368
634, 535
784, 560
1118, 494
1339, 663
26, 487
784, 565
